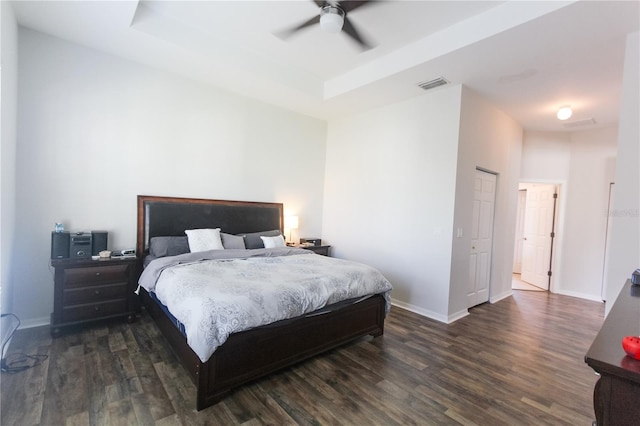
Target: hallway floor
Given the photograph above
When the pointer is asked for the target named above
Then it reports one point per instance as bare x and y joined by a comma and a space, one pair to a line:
518, 284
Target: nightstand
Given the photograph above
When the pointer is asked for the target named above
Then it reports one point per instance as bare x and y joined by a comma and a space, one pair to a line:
87, 290
323, 250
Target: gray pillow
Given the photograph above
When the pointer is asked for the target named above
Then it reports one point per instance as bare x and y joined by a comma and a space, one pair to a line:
168, 246
253, 240
230, 241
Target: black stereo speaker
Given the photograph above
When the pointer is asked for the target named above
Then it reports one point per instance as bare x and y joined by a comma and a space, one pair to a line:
60, 245
80, 245
98, 242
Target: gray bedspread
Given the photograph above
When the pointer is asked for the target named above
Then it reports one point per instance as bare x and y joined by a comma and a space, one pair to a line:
216, 293
153, 270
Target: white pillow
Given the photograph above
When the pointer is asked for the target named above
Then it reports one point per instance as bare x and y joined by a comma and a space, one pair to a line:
272, 242
204, 239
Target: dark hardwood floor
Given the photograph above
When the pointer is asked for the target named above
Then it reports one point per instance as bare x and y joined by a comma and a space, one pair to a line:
515, 362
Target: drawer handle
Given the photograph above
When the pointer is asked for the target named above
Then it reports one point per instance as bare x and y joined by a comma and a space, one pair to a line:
97, 292
97, 308
97, 274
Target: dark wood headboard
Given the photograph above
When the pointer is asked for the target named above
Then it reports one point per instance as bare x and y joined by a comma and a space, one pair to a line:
170, 216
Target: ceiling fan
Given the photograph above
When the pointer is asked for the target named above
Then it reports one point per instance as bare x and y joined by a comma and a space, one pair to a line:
333, 19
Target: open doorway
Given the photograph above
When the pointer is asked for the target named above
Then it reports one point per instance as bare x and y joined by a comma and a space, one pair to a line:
535, 233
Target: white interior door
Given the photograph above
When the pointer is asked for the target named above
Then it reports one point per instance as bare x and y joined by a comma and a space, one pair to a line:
517, 252
538, 225
484, 196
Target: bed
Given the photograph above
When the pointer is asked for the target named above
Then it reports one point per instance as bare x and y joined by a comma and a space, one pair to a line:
246, 355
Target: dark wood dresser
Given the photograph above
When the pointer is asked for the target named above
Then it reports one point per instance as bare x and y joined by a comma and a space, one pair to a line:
616, 397
88, 290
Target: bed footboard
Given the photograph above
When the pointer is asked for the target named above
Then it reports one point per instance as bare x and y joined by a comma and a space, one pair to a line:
252, 354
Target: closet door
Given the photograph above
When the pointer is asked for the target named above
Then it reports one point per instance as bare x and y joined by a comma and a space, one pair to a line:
484, 197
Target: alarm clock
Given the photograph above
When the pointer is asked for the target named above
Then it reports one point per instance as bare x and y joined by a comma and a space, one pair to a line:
635, 277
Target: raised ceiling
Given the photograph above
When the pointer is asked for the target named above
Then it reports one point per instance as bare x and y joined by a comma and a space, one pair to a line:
527, 58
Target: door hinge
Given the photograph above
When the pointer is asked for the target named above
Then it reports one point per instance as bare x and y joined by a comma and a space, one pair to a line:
549, 273
555, 195
553, 235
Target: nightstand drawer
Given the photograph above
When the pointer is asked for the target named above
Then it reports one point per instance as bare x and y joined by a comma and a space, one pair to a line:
94, 294
94, 310
86, 290
83, 277
323, 250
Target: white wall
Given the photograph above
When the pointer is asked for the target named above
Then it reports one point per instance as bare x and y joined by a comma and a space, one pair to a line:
399, 181
582, 163
8, 108
625, 231
94, 131
389, 194
546, 157
593, 158
490, 140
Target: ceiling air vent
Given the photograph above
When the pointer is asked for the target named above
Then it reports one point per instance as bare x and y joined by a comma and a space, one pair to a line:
426, 85
579, 123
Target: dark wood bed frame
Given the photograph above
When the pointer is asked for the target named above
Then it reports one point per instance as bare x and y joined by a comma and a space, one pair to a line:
254, 353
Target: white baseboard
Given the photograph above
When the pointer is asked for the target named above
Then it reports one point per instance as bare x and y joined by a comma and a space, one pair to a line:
35, 322
499, 297
580, 295
458, 315
430, 314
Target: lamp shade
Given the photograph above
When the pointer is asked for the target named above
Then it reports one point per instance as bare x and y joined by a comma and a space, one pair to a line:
291, 222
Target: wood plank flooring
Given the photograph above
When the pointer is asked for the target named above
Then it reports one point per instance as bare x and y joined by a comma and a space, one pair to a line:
515, 362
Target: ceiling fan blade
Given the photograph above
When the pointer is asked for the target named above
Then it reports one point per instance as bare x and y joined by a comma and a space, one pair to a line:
350, 30
320, 3
348, 6
288, 33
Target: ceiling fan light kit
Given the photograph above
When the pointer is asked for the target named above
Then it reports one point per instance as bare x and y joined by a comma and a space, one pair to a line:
331, 19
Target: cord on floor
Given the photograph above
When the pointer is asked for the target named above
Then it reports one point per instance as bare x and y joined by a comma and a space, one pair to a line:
17, 362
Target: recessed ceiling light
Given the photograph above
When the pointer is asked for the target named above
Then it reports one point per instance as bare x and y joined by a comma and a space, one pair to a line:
564, 112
